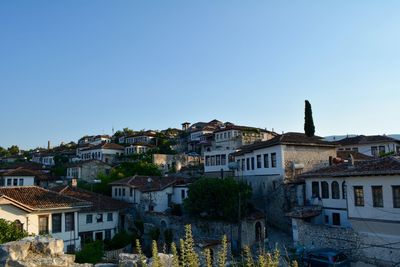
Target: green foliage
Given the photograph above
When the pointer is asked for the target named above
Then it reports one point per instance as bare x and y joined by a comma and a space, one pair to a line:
223, 252
218, 198
123, 170
139, 225
154, 252
208, 258
120, 240
155, 234
309, 128
91, 253
10, 232
168, 236
139, 251
13, 150
175, 256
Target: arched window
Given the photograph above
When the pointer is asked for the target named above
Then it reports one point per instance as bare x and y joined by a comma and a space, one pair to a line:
344, 190
324, 190
335, 190
258, 231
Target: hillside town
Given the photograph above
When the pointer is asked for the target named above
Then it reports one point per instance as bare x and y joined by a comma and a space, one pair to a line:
292, 191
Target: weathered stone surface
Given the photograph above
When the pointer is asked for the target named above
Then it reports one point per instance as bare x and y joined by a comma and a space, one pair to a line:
47, 245
15, 250
129, 260
165, 260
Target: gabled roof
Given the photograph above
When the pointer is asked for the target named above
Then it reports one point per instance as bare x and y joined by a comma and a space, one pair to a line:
33, 198
381, 166
99, 202
365, 139
104, 145
296, 139
356, 155
157, 183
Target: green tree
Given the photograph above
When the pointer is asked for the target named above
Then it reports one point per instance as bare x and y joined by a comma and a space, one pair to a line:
3, 152
309, 128
218, 198
13, 150
9, 231
91, 253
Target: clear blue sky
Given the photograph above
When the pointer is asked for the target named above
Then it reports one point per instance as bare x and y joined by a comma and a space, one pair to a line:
70, 68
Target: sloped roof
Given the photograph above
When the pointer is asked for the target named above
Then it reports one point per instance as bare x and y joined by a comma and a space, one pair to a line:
242, 128
104, 145
37, 198
99, 202
142, 183
356, 155
381, 166
291, 138
365, 139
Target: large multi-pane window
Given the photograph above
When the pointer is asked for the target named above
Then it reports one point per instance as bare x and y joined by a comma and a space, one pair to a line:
258, 161
109, 217
56, 223
358, 196
335, 190
218, 160
266, 161
377, 196
273, 160
89, 218
396, 196
324, 190
43, 225
223, 159
207, 160
315, 189
69, 222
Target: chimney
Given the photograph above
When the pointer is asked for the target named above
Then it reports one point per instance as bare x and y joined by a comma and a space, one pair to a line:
74, 183
48, 145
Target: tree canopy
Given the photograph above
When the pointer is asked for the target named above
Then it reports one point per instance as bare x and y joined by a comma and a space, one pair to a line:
9, 231
309, 128
218, 199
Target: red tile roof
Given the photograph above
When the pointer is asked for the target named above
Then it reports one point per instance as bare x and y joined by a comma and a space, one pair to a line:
142, 183
366, 139
104, 146
37, 198
99, 202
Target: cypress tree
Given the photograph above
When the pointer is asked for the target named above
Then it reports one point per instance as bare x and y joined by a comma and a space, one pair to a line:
309, 128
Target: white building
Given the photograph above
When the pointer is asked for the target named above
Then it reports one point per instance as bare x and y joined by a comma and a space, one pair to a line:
106, 152
94, 139
372, 145
40, 211
25, 177
147, 137
150, 193
102, 220
226, 140
136, 148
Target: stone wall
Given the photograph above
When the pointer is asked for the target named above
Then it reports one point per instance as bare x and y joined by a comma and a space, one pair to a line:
358, 246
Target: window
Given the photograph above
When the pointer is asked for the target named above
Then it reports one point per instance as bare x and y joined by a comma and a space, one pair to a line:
273, 160
344, 190
336, 218
355, 149
56, 223
324, 190
238, 164
374, 151
218, 160
207, 160
99, 217
248, 164
15, 182
212, 160
252, 163
130, 191
243, 164
119, 191
43, 225
223, 159
358, 196
183, 194
315, 189
381, 150
266, 161
396, 196
258, 161
9, 182
115, 192
69, 222
109, 217
123, 192
335, 190
107, 234
21, 182
89, 218
377, 196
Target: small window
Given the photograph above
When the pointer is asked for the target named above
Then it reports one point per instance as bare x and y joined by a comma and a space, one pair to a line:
381, 150
123, 192
252, 163
115, 192
335, 190
131, 192
324, 190
358, 196
56, 223
315, 189
99, 217
223, 159
107, 234
374, 151
218, 160
266, 161
43, 225
248, 164
109, 217
9, 182
21, 182
396, 196
15, 182
183, 194
336, 218
69, 222
89, 218
258, 161
273, 160
377, 196
344, 190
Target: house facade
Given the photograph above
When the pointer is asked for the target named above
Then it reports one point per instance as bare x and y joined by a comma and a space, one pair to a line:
150, 193
87, 170
270, 167
106, 152
40, 211
372, 145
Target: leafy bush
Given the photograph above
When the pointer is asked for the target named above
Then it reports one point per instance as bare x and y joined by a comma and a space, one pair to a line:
155, 234
10, 232
120, 240
91, 253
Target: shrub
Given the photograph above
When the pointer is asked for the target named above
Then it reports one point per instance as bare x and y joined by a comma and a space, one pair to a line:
91, 253
10, 232
120, 240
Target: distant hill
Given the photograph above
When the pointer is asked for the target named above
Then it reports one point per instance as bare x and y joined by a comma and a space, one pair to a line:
340, 137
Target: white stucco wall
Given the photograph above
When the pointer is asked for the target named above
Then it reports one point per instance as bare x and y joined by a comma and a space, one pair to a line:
95, 226
27, 180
